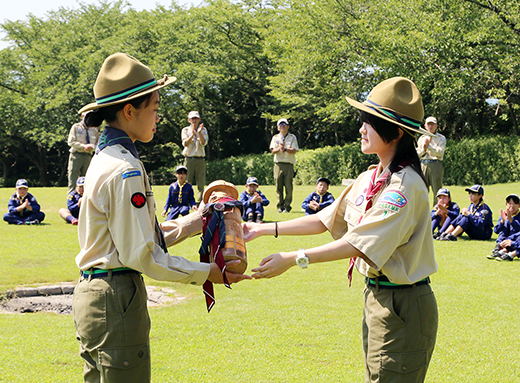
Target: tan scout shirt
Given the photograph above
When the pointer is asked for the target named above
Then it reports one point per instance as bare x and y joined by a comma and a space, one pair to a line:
195, 148
290, 140
114, 233
78, 138
395, 233
435, 150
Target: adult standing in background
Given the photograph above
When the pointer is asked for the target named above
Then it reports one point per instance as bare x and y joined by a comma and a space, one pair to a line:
431, 153
284, 146
194, 138
82, 142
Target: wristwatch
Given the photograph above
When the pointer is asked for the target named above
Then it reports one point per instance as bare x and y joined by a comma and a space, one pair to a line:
302, 260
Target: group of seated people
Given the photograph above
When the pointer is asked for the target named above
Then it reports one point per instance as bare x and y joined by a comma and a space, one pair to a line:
449, 221
181, 198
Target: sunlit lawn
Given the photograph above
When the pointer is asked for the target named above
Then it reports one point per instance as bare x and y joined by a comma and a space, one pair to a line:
304, 326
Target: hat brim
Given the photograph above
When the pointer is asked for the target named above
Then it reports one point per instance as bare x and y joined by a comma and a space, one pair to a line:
220, 186
366, 108
95, 105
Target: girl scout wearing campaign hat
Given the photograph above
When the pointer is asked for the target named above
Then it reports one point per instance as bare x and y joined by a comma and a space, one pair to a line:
381, 223
118, 233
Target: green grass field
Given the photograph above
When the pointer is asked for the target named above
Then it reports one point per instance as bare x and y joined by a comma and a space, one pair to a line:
304, 326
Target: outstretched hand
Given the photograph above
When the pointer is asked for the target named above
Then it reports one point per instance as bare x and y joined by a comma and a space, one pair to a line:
274, 265
250, 230
215, 274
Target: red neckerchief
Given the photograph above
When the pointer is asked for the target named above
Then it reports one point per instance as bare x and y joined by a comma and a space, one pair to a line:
373, 189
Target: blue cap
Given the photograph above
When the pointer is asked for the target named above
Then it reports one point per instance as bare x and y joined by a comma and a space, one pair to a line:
80, 181
476, 189
22, 183
252, 180
443, 191
326, 180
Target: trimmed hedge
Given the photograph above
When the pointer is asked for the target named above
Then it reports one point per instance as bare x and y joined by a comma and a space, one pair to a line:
485, 160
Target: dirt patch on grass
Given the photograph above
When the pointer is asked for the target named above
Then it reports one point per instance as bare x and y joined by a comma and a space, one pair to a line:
58, 299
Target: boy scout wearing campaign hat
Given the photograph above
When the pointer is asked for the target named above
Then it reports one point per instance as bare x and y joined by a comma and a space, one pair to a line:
118, 232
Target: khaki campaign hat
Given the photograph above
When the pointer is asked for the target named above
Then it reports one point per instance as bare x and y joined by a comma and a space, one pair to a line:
123, 78
396, 100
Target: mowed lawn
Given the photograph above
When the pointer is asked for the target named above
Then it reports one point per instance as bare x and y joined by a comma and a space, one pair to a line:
304, 326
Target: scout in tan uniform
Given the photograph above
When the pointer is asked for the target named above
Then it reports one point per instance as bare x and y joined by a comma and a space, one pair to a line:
118, 232
382, 223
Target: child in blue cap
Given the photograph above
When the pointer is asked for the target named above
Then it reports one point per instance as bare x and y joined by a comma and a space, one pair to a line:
476, 220
23, 207
254, 201
319, 199
443, 213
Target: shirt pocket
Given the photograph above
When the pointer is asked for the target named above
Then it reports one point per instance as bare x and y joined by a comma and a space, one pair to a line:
353, 214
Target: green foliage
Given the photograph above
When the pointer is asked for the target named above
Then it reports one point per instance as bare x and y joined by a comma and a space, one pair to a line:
336, 163
486, 160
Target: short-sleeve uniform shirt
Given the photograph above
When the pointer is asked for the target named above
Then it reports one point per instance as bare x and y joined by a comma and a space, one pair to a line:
395, 233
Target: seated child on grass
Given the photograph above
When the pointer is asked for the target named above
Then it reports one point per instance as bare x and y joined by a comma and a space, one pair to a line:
443, 213
508, 229
180, 196
254, 201
23, 207
476, 221
70, 214
319, 199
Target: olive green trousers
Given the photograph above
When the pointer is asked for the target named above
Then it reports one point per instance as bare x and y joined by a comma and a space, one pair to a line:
399, 332
113, 327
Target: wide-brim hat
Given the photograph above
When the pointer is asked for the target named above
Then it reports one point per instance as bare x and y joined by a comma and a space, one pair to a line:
220, 186
396, 100
123, 78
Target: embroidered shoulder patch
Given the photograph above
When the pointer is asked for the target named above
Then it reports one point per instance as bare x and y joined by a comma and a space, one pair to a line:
133, 173
138, 200
393, 200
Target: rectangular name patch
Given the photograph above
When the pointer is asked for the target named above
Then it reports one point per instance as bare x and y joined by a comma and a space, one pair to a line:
133, 173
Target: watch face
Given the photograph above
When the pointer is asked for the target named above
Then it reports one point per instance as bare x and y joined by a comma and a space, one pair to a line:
302, 262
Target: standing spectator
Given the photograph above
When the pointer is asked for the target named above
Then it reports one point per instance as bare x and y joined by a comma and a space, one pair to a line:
180, 196
23, 207
71, 213
194, 138
319, 199
431, 153
82, 142
284, 146
253, 201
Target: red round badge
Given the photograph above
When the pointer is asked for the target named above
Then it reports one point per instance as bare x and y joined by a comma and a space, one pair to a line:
138, 200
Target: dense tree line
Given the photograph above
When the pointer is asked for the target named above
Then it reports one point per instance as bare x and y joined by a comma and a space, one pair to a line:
245, 63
